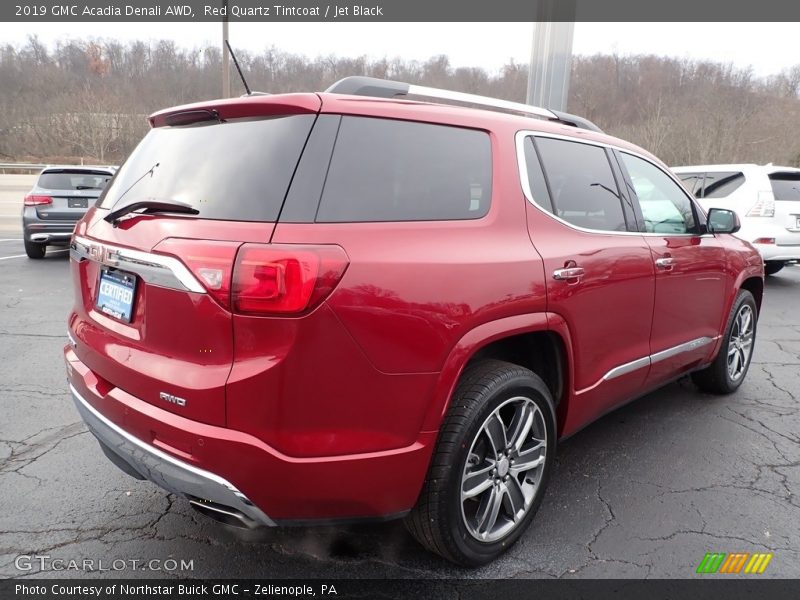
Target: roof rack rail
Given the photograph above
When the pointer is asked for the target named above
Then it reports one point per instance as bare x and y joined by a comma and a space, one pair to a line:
385, 88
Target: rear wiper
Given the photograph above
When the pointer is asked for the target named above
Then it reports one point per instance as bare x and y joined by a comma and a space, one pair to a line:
151, 205
86, 187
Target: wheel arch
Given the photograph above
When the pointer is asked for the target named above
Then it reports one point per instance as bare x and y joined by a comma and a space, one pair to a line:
754, 285
539, 342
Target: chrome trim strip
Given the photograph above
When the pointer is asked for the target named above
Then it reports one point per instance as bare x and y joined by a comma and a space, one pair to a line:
630, 367
46, 237
157, 269
218, 489
680, 348
522, 168
646, 361
429, 92
71, 339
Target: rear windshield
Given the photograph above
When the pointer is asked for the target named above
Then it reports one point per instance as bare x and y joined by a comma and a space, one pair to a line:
385, 170
785, 186
236, 170
73, 180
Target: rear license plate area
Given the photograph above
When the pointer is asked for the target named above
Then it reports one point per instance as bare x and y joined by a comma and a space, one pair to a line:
116, 291
78, 202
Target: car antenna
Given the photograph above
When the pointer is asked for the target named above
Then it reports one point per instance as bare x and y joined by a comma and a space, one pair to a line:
238, 68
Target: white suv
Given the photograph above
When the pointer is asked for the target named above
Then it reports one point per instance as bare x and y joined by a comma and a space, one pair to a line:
766, 198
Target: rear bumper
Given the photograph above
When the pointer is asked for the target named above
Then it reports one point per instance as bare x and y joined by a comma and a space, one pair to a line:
162, 469
778, 252
786, 244
39, 230
236, 470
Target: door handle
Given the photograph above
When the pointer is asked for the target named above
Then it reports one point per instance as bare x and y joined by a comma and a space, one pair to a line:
665, 262
568, 273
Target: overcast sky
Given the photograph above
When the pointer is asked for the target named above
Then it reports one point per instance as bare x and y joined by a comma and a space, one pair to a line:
767, 47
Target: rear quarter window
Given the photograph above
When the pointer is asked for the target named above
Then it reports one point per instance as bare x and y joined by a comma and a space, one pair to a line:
388, 170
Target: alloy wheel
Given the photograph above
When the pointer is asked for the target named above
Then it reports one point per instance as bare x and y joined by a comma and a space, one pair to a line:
503, 469
740, 345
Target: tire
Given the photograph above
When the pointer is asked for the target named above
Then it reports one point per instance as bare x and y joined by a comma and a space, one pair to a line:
718, 377
773, 266
35, 249
451, 526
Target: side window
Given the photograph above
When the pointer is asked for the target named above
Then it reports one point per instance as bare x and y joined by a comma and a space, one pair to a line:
714, 184
693, 182
665, 206
536, 180
388, 170
722, 184
582, 186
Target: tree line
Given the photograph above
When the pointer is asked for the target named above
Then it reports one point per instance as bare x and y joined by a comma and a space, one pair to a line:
88, 99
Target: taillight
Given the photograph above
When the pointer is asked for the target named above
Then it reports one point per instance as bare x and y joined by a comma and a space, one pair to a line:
210, 261
764, 240
285, 279
36, 200
261, 279
764, 206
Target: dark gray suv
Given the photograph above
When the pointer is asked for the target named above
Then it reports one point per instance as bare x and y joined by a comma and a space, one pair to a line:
61, 196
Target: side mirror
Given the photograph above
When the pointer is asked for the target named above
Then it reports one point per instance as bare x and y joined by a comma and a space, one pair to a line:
722, 220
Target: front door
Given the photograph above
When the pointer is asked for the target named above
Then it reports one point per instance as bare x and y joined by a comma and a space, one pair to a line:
689, 271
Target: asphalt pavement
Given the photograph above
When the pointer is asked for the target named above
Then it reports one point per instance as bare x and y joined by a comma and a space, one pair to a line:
644, 492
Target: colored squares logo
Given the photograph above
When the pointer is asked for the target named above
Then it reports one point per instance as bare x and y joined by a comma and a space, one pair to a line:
734, 563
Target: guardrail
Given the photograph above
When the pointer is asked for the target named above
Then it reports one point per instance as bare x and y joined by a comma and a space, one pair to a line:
4, 167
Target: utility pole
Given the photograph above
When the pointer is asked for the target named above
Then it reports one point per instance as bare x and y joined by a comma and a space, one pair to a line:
226, 59
551, 55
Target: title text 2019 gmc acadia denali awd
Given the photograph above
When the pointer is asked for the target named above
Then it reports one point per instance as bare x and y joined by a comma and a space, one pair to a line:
305, 308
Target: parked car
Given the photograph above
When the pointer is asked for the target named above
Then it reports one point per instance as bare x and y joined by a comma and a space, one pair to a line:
767, 199
314, 308
60, 197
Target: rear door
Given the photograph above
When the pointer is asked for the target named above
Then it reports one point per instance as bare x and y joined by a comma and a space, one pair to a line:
691, 280
152, 315
598, 268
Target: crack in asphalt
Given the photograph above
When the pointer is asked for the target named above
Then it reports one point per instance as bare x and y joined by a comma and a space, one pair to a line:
59, 336
21, 459
23, 389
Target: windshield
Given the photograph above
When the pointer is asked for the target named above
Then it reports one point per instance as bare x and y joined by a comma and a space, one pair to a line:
237, 170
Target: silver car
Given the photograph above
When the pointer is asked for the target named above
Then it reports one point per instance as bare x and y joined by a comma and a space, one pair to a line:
60, 197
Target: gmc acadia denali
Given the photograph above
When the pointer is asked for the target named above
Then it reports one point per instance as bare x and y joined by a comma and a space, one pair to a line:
314, 308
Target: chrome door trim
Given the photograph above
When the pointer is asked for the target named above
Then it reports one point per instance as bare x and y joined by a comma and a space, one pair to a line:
681, 348
630, 367
646, 361
156, 269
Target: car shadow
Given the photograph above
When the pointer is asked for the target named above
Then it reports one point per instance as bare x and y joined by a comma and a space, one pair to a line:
388, 550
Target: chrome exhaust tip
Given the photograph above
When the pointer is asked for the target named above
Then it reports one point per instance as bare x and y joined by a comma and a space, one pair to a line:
223, 514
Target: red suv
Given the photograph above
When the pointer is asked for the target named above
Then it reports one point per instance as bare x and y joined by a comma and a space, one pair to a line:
315, 308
